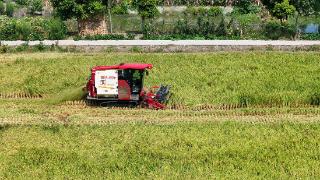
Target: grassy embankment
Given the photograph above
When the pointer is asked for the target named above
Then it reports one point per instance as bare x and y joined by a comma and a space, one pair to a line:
75, 141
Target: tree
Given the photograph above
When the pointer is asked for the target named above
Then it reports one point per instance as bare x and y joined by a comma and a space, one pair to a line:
304, 7
90, 14
10, 8
283, 10
307, 7
36, 6
2, 8
147, 9
246, 6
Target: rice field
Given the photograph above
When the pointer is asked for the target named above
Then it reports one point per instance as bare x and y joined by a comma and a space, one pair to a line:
243, 79
232, 115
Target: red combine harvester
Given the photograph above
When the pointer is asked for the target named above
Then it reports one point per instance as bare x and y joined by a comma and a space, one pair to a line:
123, 84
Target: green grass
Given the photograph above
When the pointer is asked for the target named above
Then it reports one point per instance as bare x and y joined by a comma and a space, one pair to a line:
182, 150
243, 78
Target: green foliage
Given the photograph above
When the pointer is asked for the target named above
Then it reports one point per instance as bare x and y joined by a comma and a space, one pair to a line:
121, 8
315, 36
304, 7
246, 7
22, 2
283, 10
2, 8
189, 37
23, 30
104, 37
215, 11
67, 9
276, 30
31, 28
146, 8
35, 6
202, 11
136, 49
56, 29
4, 49
10, 7
315, 99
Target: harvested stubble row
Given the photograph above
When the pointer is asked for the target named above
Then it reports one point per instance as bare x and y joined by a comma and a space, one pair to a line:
20, 96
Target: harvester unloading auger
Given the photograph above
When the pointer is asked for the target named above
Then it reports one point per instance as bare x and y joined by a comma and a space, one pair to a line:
124, 84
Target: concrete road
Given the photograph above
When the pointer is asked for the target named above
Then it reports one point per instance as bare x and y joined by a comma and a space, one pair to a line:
164, 43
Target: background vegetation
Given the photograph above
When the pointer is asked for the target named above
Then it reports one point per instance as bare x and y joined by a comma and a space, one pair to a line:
241, 19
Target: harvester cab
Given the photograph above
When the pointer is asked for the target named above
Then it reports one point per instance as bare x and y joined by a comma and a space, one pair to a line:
124, 84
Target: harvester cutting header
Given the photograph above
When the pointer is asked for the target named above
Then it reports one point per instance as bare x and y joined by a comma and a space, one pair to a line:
124, 84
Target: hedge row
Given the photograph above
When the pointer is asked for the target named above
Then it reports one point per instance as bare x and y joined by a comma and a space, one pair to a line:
35, 28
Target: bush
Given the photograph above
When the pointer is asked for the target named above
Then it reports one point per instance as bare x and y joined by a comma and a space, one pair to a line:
31, 28
315, 36
23, 30
36, 6
121, 8
103, 37
245, 7
2, 8
56, 29
7, 28
22, 2
10, 8
202, 11
188, 37
275, 30
215, 11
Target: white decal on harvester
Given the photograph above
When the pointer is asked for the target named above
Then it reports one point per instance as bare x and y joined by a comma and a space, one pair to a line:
106, 82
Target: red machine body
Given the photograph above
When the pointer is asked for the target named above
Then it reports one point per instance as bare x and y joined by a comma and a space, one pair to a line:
123, 84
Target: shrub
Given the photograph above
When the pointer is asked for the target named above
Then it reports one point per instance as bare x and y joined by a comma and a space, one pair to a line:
56, 29
222, 28
36, 6
40, 47
7, 29
31, 28
121, 8
215, 11
22, 2
276, 30
103, 37
191, 10
4, 49
315, 36
23, 30
10, 8
22, 47
2, 8
245, 7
